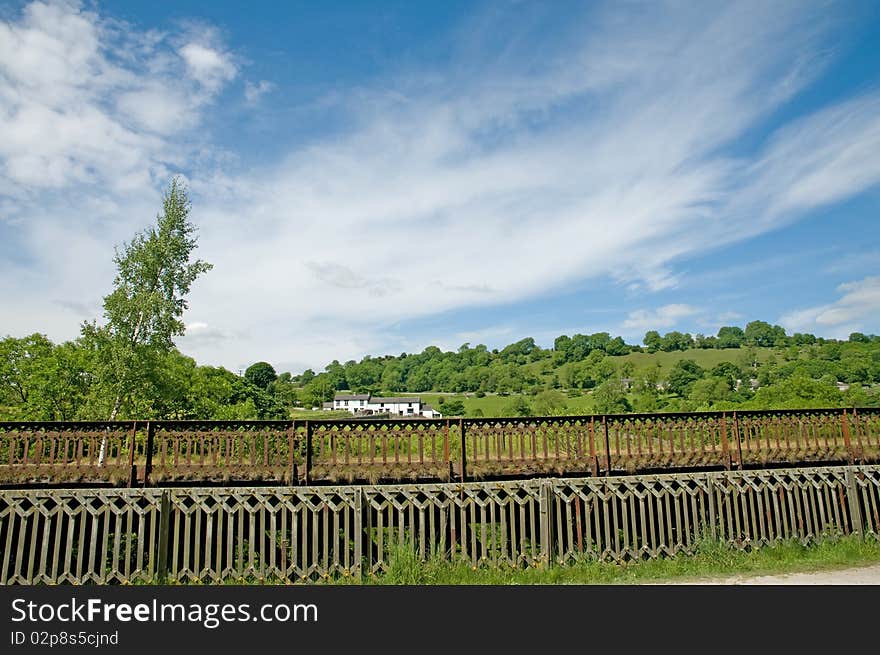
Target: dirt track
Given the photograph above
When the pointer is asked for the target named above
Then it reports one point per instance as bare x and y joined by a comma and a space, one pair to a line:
869, 575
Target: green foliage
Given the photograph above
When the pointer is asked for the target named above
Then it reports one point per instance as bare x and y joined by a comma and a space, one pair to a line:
683, 376
797, 392
453, 408
705, 392
652, 341
42, 381
759, 333
261, 375
549, 403
144, 311
676, 341
610, 398
730, 337
518, 406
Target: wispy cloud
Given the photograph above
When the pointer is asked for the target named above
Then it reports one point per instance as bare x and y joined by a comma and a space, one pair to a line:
253, 91
857, 307
500, 179
662, 317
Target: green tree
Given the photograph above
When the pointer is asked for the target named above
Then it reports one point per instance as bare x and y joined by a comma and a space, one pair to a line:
548, 403
709, 391
41, 381
261, 375
653, 341
22, 367
729, 371
675, 340
730, 337
453, 408
144, 311
796, 392
762, 334
682, 377
518, 406
610, 398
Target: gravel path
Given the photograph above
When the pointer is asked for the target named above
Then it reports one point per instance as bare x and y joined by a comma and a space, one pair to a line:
863, 575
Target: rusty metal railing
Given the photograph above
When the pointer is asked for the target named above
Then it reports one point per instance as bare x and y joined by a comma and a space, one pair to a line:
296, 452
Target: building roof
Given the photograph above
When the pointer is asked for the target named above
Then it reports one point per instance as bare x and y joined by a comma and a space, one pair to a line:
327, 405
395, 400
343, 396
428, 408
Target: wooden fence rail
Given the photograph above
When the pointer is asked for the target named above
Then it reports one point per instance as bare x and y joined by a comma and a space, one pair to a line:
109, 536
144, 453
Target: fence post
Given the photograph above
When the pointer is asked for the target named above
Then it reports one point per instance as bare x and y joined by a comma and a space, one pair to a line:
132, 467
164, 533
545, 504
148, 464
358, 572
446, 455
713, 508
308, 478
594, 459
739, 451
847, 439
607, 447
725, 446
367, 548
463, 450
855, 509
294, 479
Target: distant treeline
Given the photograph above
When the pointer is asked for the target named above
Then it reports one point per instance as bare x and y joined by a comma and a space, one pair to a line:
40, 380
578, 361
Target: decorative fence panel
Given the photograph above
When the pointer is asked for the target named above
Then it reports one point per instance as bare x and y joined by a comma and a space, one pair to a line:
223, 451
100, 535
495, 522
110, 536
141, 453
378, 450
67, 451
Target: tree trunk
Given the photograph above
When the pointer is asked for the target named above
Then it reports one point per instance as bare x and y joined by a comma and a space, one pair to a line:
117, 404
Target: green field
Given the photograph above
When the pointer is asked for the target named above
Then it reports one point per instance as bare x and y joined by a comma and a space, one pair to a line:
705, 357
494, 404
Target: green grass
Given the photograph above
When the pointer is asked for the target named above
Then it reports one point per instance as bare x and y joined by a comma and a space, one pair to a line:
706, 358
712, 560
303, 414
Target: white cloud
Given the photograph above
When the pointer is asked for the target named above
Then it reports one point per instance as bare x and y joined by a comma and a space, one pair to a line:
254, 91
857, 309
85, 100
500, 179
210, 67
662, 317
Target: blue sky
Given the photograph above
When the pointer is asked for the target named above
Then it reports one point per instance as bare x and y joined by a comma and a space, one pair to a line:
374, 178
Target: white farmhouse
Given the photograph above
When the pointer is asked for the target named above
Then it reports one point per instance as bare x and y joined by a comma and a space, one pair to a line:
395, 406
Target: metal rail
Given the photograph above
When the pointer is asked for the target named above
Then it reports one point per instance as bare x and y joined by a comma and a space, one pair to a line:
302, 452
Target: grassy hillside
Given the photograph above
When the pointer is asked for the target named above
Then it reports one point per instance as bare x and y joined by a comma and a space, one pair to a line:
706, 358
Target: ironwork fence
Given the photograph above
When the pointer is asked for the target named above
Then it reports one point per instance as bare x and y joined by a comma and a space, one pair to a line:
141, 453
110, 536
